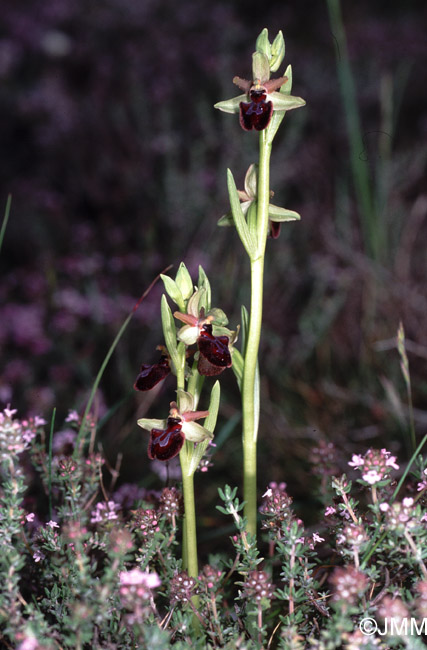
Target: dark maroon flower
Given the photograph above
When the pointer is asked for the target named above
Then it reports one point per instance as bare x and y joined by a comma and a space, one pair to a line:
166, 443
274, 229
256, 113
151, 375
214, 355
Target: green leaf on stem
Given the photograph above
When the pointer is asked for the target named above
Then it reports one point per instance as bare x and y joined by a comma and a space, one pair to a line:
209, 424
237, 366
169, 332
239, 218
204, 284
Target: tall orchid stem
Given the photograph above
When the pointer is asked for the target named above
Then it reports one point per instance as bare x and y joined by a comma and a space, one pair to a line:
250, 393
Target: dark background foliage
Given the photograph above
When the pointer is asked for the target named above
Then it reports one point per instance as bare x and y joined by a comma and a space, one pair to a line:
116, 162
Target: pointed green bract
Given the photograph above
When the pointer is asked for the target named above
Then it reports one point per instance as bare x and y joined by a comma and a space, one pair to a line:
183, 282
277, 52
173, 291
263, 44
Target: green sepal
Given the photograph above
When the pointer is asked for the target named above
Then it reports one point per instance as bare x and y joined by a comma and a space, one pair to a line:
148, 424
173, 291
209, 424
260, 67
277, 52
239, 218
237, 366
283, 102
263, 44
275, 213
169, 332
231, 105
183, 282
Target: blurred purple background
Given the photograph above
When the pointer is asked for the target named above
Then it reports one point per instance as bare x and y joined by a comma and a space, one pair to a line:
116, 162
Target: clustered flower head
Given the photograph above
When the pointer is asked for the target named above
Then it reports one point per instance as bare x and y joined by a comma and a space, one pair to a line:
349, 584
354, 535
135, 592
104, 512
421, 602
146, 521
258, 587
210, 577
183, 588
402, 515
276, 507
393, 608
171, 503
422, 485
323, 459
375, 465
16, 435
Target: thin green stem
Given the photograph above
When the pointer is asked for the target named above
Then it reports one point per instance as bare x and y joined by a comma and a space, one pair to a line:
250, 397
190, 559
189, 533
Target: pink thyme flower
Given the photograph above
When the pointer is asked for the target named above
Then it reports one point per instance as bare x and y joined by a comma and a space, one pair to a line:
104, 512
72, 416
139, 578
375, 465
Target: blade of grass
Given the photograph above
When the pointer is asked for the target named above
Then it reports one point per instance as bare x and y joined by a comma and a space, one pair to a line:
52, 425
360, 170
107, 358
5, 219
